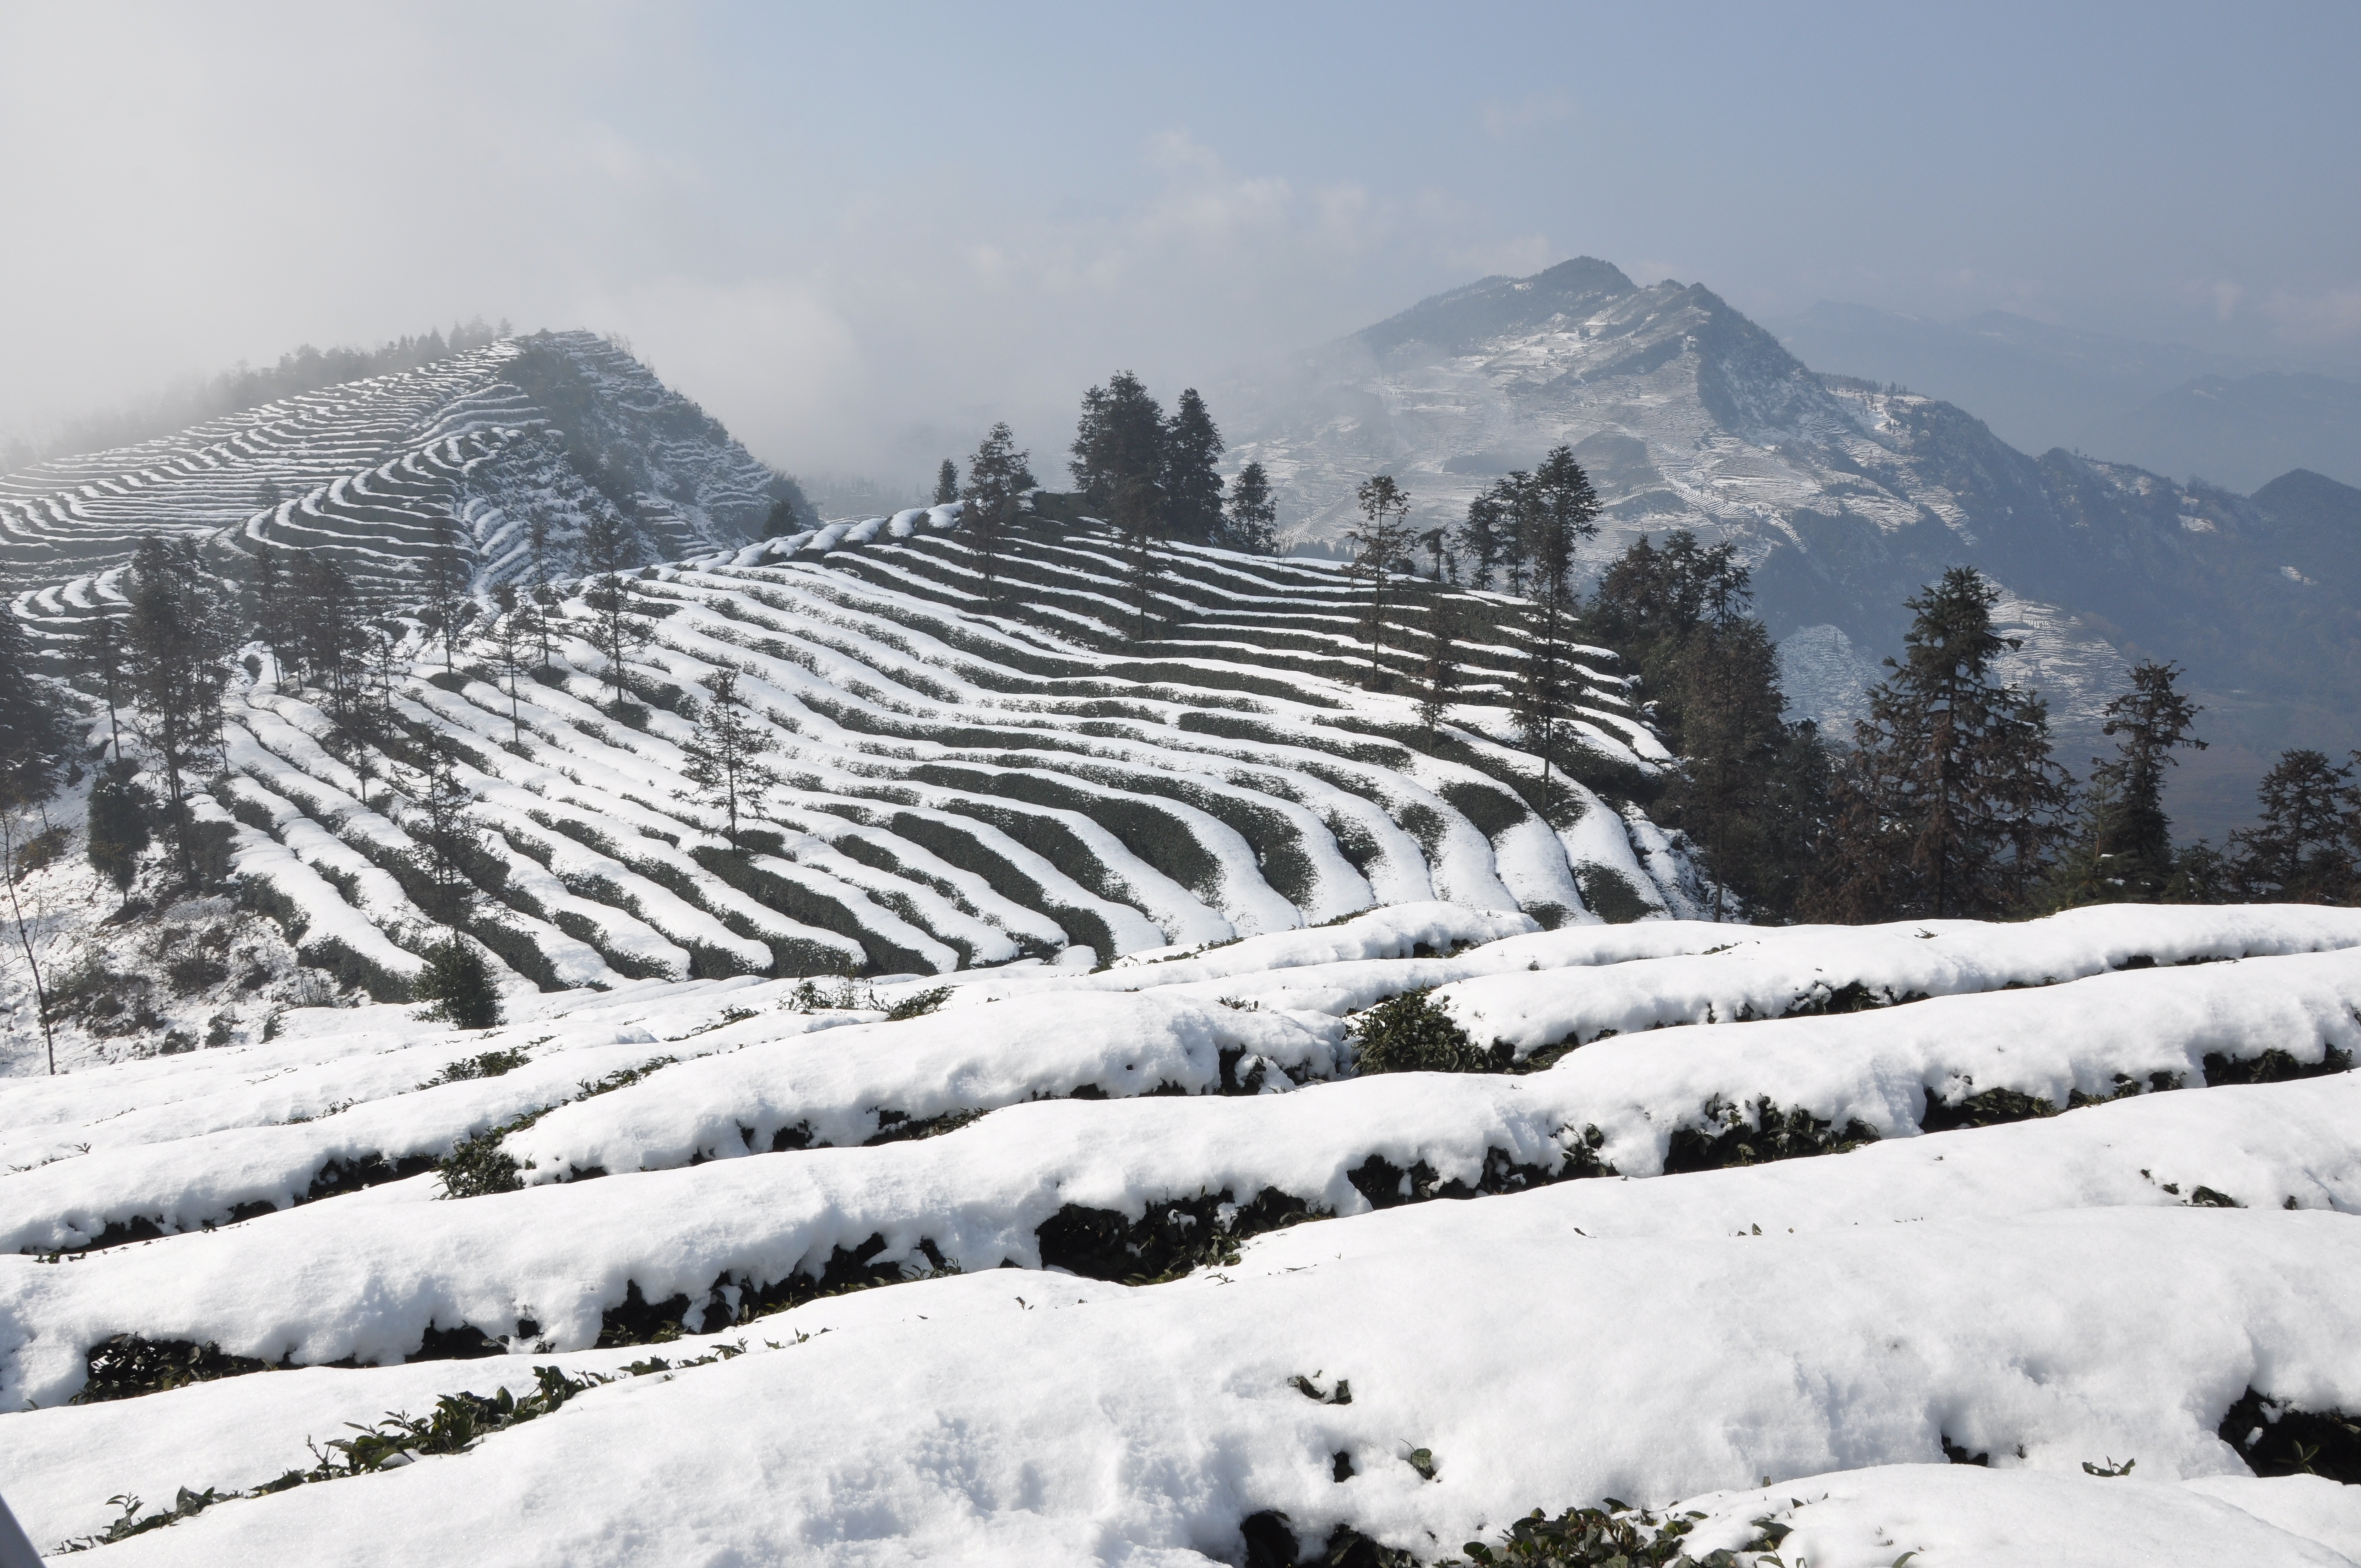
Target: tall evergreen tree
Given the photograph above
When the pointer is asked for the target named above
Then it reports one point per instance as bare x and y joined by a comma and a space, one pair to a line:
1118, 448
1484, 540
33, 729
265, 604
996, 476
1949, 802
1555, 512
322, 626
1381, 553
446, 837
513, 634
2122, 847
615, 630
449, 571
100, 655
116, 828
1192, 485
1138, 517
1252, 516
2302, 850
725, 755
947, 485
179, 643
1440, 673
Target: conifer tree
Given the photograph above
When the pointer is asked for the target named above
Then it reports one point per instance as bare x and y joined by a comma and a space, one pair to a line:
457, 985
1555, 512
2301, 851
1118, 449
996, 476
447, 574
33, 734
724, 756
446, 837
1138, 517
513, 635
1485, 539
1192, 485
265, 604
178, 641
2122, 848
116, 829
1440, 673
1949, 801
1252, 516
947, 485
1380, 550
100, 655
615, 630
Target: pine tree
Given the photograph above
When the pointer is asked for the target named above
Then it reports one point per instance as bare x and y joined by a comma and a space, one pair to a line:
1949, 801
1253, 517
100, 655
1380, 550
445, 838
266, 605
2123, 850
947, 485
1192, 485
457, 985
448, 571
33, 732
513, 635
178, 641
1485, 539
1440, 673
1118, 449
614, 629
322, 626
2301, 851
117, 830
1555, 512
724, 756
996, 476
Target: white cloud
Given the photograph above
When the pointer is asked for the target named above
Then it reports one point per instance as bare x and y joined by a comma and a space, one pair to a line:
1505, 121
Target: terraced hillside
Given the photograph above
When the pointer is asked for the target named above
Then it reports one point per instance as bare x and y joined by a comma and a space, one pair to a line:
960, 783
543, 431
1939, 1243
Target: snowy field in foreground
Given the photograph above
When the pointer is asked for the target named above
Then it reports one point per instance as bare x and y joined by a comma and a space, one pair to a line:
2052, 1195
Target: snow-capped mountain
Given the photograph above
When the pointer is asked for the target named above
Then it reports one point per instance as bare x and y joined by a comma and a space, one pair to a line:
545, 430
1845, 497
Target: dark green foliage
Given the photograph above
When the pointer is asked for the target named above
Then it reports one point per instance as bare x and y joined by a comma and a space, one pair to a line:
1555, 512
480, 1166
458, 986
1380, 544
2122, 850
1751, 789
487, 1064
918, 1004
1754, 1134
2276, 1438
1252, 524
946, 488
1615, 1536
723, 759
45, 847
1948, 804
1193, 490
126, 1366
1119, 462
33, 732
1409, 1034
2302, 850
178, 643
997, 475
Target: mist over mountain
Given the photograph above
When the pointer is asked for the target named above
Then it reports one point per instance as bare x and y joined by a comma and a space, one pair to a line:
2241, 432
1845, 496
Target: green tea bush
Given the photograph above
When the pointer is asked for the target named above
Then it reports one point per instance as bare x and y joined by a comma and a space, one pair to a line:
1409, 1034
458, 986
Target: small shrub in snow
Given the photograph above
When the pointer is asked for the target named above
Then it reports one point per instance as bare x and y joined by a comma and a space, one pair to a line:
479, 1167
1617, 1533
458, 987
488, 1064
918, 1004
1411, 1033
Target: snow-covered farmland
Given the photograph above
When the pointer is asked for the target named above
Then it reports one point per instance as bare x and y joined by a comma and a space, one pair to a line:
1833, 1245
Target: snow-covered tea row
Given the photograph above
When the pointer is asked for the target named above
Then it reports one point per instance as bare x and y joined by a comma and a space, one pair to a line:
197, 1158
367, 1275
1519, 1355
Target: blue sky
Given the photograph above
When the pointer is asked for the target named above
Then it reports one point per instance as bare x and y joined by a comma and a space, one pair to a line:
852, 237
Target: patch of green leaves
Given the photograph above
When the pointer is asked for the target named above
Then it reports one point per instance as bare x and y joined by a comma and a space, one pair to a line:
1409, 1034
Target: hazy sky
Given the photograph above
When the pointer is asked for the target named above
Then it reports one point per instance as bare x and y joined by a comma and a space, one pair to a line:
854, 234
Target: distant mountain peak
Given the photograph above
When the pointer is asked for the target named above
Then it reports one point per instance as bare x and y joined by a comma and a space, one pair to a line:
1493, 306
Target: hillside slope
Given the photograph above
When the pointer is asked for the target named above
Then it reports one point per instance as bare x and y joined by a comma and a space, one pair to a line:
549, 429
1845, 497
966, 782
